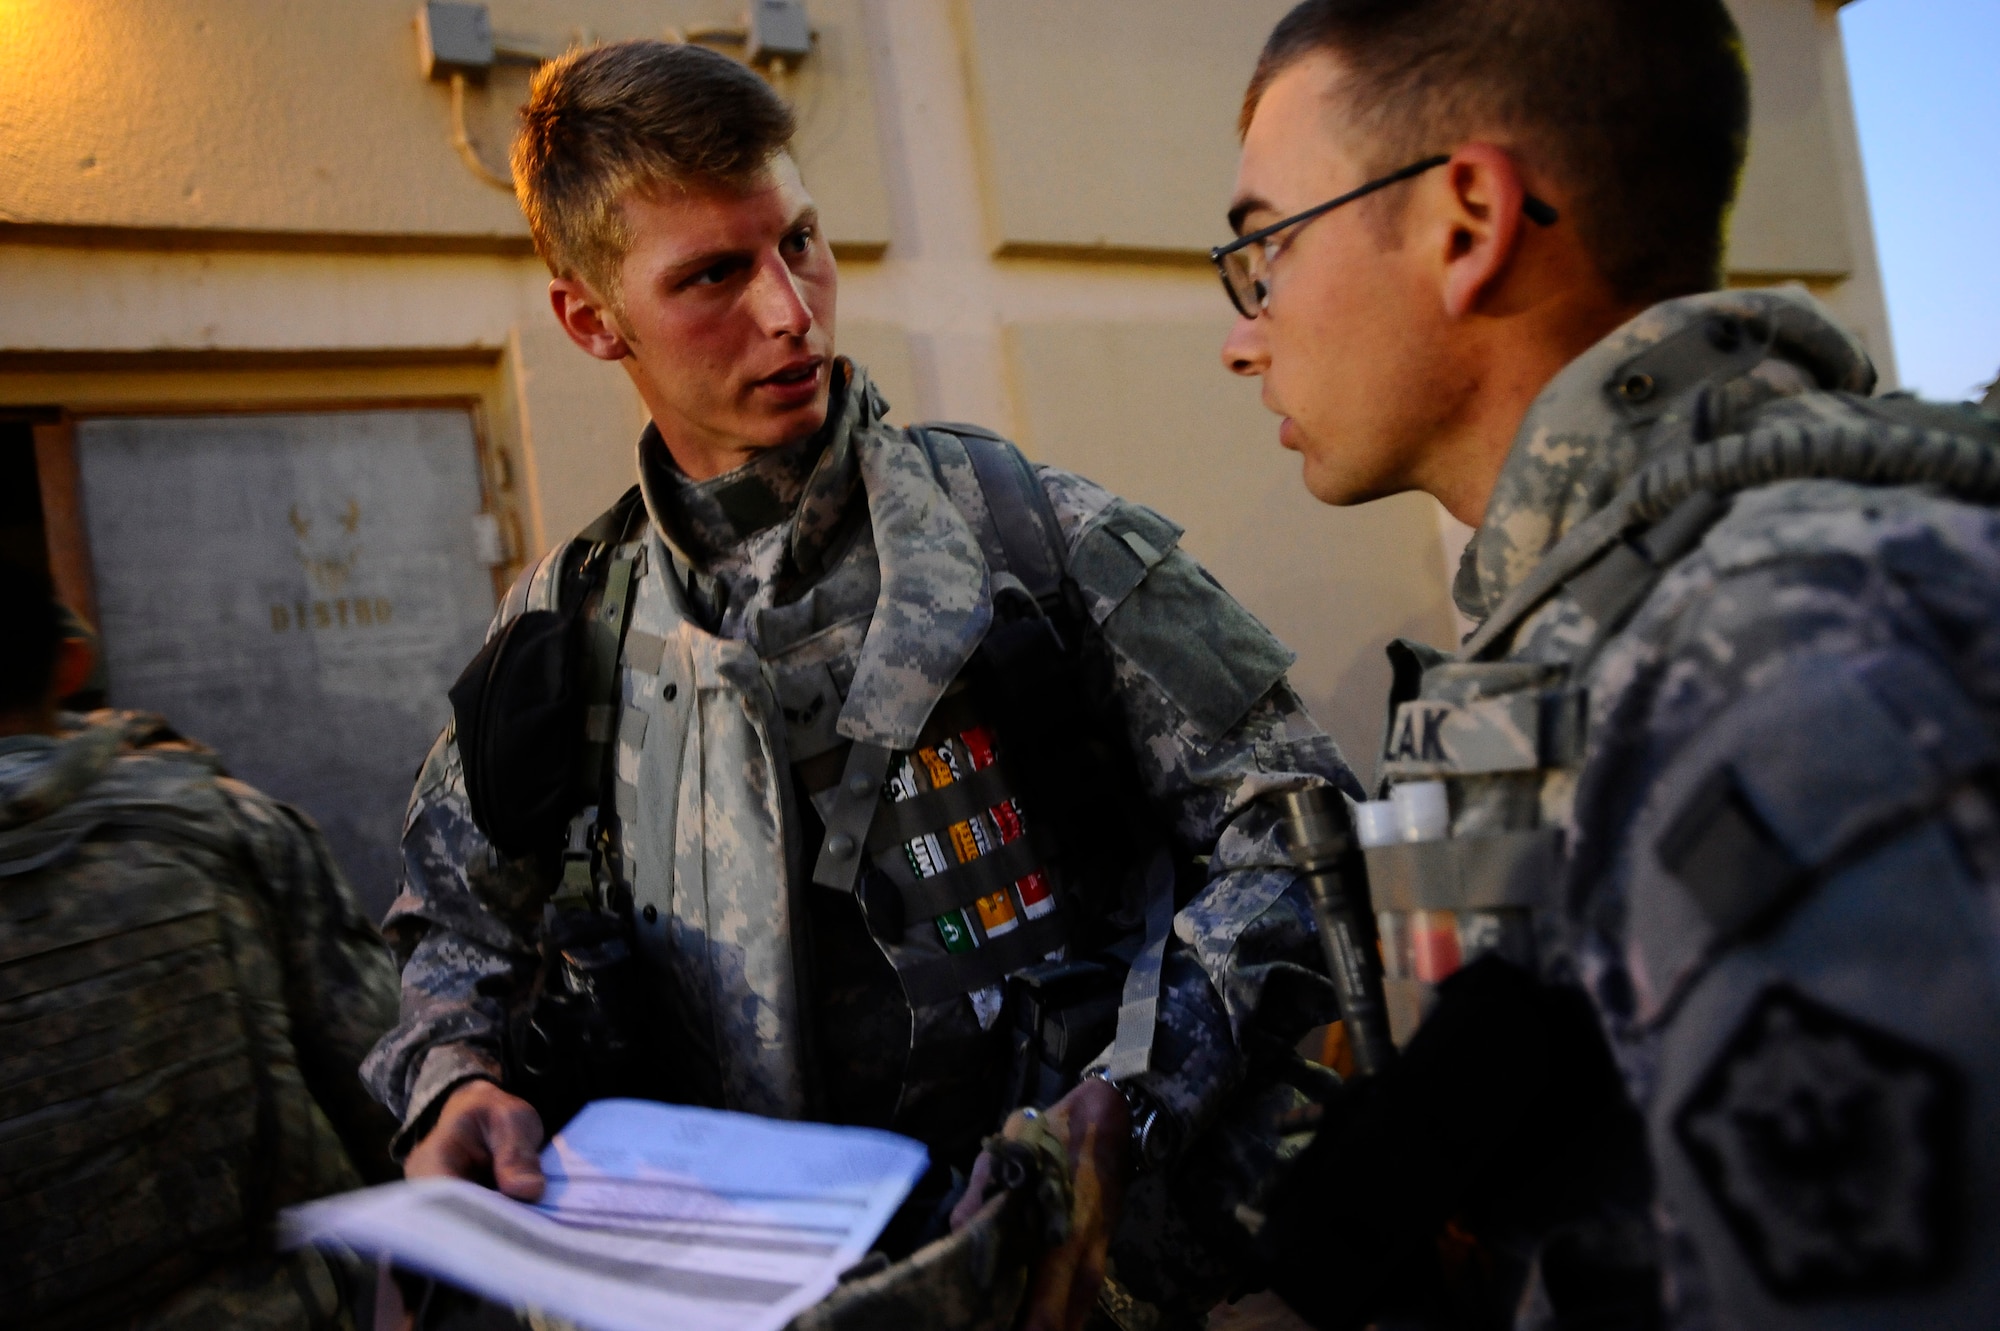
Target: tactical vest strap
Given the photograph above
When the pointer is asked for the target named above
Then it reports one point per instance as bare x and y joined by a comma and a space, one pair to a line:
961, 884
1138, 1009
603, 644
935, 811
1022, 536
1021, 514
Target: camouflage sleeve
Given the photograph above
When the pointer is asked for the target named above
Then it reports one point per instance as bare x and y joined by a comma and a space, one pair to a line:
340, 980
1244, 969
462, 960
1244, 972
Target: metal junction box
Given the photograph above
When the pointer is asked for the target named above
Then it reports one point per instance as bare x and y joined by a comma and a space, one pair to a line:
454, 39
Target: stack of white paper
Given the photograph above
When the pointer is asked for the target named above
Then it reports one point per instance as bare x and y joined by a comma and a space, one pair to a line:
656, 1216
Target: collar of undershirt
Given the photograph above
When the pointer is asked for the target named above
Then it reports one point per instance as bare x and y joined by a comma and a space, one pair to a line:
811, 484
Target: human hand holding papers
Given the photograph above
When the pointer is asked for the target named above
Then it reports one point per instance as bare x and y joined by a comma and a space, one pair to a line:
655, 1216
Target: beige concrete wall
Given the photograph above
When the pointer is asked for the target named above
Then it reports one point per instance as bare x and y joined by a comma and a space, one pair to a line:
222, 202
312, 120
1335, 584
1802, 213
1110, 126
1106, 130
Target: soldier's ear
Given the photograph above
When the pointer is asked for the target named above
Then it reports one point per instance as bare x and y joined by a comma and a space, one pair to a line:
75, 659
1483, 195
588, 319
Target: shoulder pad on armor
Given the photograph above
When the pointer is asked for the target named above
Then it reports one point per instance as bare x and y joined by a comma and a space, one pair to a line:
1165, 614
1830, 758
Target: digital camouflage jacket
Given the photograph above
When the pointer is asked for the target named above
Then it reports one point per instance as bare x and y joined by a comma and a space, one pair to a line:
1735, 695
831, 591
187, 989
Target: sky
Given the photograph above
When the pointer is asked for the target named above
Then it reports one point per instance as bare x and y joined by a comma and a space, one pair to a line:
1926, 81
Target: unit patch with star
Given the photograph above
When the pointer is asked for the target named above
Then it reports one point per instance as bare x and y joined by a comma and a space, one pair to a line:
1831, 1148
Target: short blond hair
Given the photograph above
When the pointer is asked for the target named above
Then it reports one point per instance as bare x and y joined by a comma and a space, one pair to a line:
603, 122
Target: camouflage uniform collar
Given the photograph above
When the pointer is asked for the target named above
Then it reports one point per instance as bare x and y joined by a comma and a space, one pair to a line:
809, 484
1595, 423
707, 519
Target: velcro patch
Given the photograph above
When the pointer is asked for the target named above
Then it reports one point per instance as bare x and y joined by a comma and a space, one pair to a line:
1207, 653
1831, 1148
1731, 863
1112, 555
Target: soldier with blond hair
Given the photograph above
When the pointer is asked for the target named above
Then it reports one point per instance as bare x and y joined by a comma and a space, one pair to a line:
910, 782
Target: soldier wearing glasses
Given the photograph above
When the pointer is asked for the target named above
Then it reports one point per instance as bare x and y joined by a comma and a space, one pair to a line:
1709, 953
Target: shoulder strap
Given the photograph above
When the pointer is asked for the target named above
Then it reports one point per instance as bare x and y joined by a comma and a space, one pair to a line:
612, 559
560, 579
1022, 534
585, 559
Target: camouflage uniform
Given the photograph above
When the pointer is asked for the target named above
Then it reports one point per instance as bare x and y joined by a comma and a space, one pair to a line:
1750, 615
826, 592
187, 989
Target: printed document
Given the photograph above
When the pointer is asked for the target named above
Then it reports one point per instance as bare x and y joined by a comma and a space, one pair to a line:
655, 1216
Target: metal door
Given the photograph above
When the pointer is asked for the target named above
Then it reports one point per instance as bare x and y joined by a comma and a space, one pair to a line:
297, 590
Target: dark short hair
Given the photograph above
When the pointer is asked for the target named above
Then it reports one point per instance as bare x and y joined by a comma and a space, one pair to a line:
32, 623
604, 121
1638, 108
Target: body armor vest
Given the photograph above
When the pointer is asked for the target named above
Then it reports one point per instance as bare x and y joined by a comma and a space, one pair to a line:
144, 1129
1011, 830
1011, 823
1482, 751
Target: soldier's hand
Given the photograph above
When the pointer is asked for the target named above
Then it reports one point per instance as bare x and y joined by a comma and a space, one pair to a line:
1093, 1122
483, 1134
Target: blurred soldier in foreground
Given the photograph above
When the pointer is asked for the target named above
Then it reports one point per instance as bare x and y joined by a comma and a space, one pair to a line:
1719, 764
893, 777
186, 992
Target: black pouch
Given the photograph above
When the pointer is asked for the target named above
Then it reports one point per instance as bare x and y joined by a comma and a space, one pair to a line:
519, 709
1058, 1016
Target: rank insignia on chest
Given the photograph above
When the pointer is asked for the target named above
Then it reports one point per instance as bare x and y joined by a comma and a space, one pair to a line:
1831, 1149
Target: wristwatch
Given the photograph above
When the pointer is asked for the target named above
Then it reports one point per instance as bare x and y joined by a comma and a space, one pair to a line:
1154, 1131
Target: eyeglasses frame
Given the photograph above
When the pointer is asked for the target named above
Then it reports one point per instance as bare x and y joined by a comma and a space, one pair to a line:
1536, 211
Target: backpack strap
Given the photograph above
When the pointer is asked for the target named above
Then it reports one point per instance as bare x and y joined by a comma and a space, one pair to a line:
1005, 503
606, 555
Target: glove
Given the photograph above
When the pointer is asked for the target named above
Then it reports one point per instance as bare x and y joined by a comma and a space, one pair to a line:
1504, 1117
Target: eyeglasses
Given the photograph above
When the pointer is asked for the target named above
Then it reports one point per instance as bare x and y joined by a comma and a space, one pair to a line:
1245, 262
